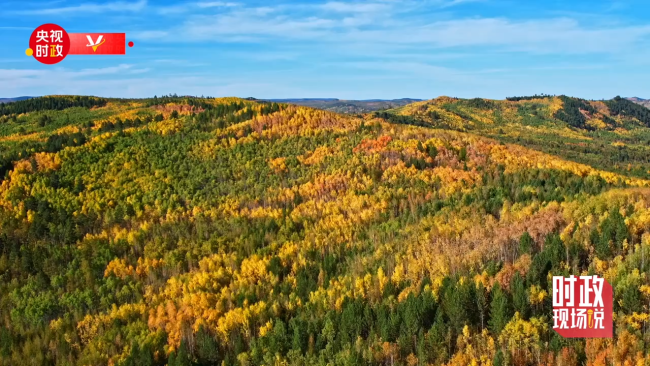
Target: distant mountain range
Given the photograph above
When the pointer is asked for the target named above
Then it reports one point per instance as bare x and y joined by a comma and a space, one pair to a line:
348, 106
9, 100
298, 100
643, 102
371, 105
345, 106
330, 104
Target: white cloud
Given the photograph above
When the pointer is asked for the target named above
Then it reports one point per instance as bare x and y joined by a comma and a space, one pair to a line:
548, 35
14, 77
258, 23
99, 71
173, 9
175, 62
68, 82
423, 71
149, 35
213, 4
192, 7
346, 7
448, 4
340, 24
262, 55
117, 6
374, 46
13, 74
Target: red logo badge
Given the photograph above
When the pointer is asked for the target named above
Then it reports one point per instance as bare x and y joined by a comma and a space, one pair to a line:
582, 307
50, 44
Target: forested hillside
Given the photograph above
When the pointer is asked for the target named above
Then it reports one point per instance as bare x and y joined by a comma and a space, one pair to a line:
187, 231
613, 135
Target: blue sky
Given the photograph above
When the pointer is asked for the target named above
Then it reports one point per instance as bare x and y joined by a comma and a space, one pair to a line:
343, 49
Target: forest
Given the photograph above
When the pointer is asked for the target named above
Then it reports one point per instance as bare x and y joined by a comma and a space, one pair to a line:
223, 231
